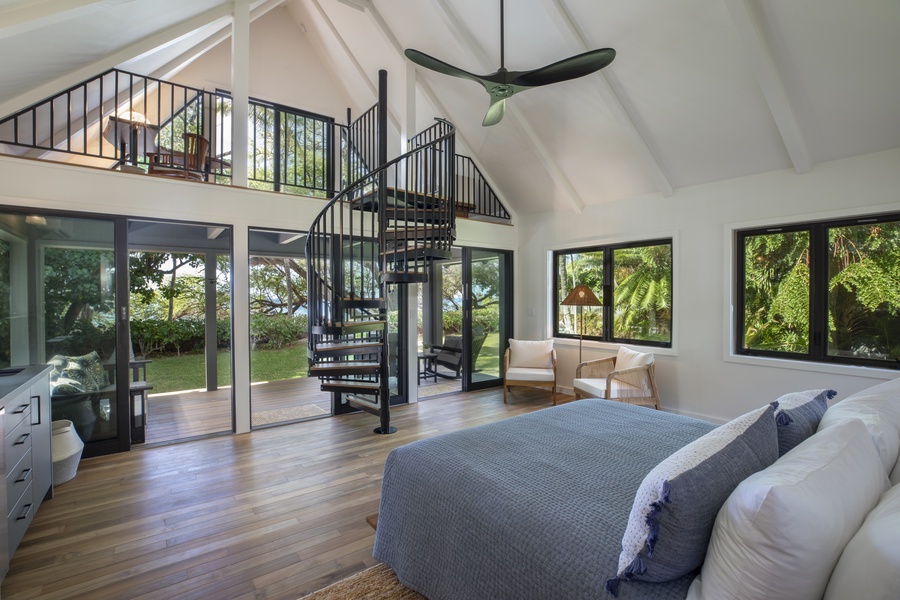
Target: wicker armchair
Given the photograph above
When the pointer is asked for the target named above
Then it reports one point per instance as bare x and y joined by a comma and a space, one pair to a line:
627, 377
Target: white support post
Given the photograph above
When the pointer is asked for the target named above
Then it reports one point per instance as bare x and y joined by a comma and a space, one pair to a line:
240, 324
412, 340
240, 91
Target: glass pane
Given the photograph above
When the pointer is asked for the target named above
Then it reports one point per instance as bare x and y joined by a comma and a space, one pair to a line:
79, 324
575, 269
864, 291
776, 292
281, 390
180, 285
643, 293
5, 299
488, 314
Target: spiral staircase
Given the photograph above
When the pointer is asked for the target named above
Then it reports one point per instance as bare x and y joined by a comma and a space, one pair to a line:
384, 229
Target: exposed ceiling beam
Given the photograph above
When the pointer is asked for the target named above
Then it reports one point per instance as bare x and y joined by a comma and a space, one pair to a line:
287, 238
612, 96
33, 14
469, 43
175, 66
109, 61
214, 232
745, 18
432, 97
352, 58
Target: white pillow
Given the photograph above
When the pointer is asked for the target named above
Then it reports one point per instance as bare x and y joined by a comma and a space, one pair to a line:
626, 358
879, 408
782, 530
870, 564
531, 354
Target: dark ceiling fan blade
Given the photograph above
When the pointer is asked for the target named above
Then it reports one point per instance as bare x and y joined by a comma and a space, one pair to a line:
568, 68
495, 111
429, 62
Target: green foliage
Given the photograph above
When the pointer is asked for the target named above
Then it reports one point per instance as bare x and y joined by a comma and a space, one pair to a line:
86, 336
274, 331
487, 319
643, 293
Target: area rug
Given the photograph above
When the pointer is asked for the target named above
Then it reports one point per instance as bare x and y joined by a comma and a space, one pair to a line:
375, 583
267, 417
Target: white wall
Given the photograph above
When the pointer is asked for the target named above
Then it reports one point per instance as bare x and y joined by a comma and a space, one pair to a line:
698, 375
284, 68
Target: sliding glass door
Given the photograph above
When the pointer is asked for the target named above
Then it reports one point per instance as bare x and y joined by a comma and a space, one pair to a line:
487, 314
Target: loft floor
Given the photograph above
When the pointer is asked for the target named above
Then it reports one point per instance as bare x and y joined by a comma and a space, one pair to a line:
273, 514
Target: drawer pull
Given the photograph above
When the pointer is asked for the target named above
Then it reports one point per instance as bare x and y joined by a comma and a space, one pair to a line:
25, 510
21, 408
24, 475
22, 439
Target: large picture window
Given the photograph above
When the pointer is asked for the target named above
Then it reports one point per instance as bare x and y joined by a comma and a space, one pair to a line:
826, 291
633, 283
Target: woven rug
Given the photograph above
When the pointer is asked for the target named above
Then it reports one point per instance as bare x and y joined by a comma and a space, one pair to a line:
265, 417
375, 583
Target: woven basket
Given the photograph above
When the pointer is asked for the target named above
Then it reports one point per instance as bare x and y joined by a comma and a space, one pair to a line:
67, 447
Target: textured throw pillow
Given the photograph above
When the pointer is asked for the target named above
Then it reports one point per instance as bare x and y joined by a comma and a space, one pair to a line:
530, 354
58, 363
626, 358
870, 563
798, 415
676, 505
781, 532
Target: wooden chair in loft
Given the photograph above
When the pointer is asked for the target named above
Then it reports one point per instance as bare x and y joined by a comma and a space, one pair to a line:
190, 164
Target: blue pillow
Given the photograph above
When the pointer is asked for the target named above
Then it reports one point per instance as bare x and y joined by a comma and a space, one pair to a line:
798, 414
676, 505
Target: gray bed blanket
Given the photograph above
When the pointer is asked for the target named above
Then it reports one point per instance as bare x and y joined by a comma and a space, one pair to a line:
533, 506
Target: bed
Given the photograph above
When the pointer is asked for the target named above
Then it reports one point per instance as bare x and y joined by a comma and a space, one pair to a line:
530, 507
541, 505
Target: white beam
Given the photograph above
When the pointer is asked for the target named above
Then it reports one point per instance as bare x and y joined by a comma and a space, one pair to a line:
117, 57
612, 96
468, 42
744, 16
352, 58
175, 66
240, 91
287, 238
30, 15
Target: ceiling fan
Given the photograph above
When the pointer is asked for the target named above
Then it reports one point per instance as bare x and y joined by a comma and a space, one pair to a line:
502, 83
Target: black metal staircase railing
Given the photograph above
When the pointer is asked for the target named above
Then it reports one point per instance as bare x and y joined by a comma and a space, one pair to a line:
384, 229
475, 198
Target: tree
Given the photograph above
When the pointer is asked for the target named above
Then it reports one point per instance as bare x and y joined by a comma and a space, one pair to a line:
643, 292
277, 285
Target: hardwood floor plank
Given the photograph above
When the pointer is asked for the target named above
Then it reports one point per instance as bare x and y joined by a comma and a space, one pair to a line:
273, 514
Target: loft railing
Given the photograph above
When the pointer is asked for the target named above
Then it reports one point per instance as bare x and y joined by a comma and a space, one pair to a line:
120, 117
475, 198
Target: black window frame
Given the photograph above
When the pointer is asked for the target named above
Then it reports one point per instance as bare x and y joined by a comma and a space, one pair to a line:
608, 296
817, 351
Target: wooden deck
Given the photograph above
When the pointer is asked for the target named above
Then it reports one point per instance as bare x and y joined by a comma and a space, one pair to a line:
272, 514
185, 415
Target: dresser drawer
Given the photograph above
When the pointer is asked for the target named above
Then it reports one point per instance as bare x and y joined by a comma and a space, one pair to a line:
20, 518
20, 476
17, 442
17, 409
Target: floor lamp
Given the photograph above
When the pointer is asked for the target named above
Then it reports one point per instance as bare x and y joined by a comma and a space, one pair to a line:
582, 295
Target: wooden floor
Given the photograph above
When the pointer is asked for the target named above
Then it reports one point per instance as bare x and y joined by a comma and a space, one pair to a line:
275, 513
184, 415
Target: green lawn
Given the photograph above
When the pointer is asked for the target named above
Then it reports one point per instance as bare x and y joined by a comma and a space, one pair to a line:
188, 371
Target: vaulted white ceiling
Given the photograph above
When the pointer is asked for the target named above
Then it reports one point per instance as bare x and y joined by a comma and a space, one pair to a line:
700, 90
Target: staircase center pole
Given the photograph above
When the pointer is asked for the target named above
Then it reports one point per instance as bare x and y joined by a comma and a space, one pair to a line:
385, 395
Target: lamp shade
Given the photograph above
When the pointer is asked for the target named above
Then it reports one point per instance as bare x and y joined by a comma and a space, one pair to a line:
582, 295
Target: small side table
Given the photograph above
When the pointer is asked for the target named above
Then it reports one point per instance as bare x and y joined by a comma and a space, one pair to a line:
427, 366
138, 400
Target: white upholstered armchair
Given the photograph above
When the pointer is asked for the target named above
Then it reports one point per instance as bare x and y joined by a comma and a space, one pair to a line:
627, 377
530, 363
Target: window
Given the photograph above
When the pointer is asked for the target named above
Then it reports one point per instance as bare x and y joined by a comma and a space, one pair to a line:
826, 291
633, 283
